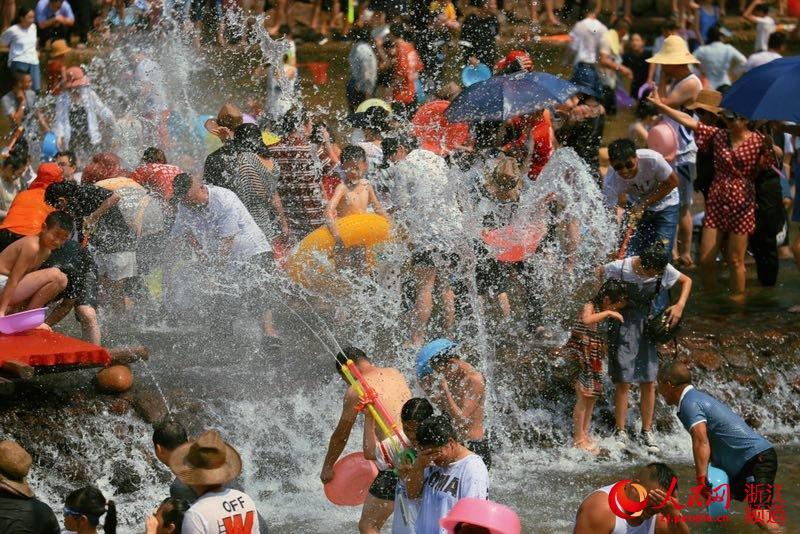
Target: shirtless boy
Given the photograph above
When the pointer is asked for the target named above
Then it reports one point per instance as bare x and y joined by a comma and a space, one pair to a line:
457, 389
391, 387
21, 282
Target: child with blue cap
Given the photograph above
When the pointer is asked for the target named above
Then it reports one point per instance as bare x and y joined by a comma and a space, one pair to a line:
457, 389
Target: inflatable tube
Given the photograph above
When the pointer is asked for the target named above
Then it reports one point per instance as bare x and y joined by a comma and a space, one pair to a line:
511, 244
555, 39
719, 479
370, 102
141, 212
310, 263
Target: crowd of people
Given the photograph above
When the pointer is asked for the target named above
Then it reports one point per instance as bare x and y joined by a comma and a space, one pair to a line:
83, 229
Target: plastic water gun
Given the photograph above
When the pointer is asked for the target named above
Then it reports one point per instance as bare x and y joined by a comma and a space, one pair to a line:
370, 402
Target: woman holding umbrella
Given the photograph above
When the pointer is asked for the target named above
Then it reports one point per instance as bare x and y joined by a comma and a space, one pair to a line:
739, 155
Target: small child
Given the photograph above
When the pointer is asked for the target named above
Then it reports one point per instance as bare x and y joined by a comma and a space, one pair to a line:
20, 281
586, 350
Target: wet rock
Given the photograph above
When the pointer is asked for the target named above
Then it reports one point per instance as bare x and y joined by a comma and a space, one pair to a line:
737, 356
150, 406
125, 478
752, 420
744, 379
120, 406
770, 382
706, 359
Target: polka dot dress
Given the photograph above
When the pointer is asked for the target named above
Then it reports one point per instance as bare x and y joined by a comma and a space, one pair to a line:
731, 202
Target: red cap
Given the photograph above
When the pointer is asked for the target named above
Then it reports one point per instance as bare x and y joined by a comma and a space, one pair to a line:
512, 56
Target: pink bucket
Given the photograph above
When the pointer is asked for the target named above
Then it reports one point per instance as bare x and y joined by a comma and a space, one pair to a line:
352, 477
495, 517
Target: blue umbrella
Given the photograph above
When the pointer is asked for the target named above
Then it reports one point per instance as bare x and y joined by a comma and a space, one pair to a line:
768, 92
502, 97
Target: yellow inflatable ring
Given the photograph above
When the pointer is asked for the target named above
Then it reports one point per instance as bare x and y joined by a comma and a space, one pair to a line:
310, 262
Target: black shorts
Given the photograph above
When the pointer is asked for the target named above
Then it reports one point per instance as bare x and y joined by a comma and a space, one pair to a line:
482, 448
81, 271
384, 486
434, 258
755, 483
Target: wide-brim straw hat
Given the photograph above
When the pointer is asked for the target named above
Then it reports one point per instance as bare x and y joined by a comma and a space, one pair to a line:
207, 461
75, 78
15, 464
59, 47
675, 51
229, 116
708, 100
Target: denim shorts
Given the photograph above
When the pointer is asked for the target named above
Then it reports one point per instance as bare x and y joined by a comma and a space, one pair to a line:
687, 173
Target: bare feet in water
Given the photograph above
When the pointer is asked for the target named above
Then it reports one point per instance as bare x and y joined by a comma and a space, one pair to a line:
587, 445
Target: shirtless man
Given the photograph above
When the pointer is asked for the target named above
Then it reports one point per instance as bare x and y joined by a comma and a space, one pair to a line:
595, 516
458, 389
353, 196
20, 280
391, 387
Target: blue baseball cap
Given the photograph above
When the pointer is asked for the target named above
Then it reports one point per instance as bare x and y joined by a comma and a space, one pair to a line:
430, 351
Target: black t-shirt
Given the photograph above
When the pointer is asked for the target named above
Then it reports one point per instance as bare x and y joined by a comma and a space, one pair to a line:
481, 32
640, 68
112, 233
21, 515
220, 167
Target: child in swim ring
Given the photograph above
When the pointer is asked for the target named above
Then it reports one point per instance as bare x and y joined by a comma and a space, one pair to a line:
586, 350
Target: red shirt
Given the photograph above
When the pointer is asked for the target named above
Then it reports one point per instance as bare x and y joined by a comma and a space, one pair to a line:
406, 67
539, 127
156, 177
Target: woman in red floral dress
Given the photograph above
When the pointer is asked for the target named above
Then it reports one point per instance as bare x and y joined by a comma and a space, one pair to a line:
739, 155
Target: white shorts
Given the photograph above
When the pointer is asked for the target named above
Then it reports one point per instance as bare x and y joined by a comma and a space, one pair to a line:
116, 266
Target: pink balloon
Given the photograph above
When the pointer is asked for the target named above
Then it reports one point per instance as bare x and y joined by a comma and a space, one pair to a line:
352, 477
663, 139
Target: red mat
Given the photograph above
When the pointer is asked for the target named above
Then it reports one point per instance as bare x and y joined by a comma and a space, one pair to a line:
43, 348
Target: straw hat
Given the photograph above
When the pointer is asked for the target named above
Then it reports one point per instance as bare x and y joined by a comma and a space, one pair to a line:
15, 463
708, 100
59, 48
229, 116
75, 78
207, 461
675, 51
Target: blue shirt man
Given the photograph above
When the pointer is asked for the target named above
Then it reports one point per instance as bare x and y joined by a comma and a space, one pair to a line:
49, 9
722, 437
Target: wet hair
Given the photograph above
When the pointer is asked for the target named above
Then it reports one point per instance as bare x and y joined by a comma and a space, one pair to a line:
589, 8
662, 474
22, 12
181, 185
467, 528
60, 219
398, 30
70, 155
285, 29
154, 154
353, 153
761, 9
65, 189
416, 410
291, 122
621, 150
90, 502
170, 434
621, 23
670, 25
177, 509
350, 353
776, 40
16, 160
645, 109
247, 138
478, 3
675, 372
436, 431
654, 258
614, 289
713, 34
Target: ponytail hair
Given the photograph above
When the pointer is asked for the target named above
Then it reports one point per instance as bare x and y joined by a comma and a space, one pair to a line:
90, 502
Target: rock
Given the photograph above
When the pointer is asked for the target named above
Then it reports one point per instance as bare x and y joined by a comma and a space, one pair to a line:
744, 379
770, 382
120, 406
706, 359
150, 406
752, 420
125, 478
737, 356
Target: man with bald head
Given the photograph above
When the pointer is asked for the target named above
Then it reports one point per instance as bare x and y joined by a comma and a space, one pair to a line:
721, 437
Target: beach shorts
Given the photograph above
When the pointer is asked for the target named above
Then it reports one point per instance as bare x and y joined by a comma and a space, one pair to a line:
687, 174
116, 266
384, 485
755, 483
434, 258
482, 448
81, 271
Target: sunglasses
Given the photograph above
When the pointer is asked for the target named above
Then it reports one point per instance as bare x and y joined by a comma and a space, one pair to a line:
623, 166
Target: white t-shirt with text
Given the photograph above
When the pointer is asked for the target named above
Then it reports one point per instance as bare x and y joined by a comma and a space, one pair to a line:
652, 170
224, 512
623, 270
445, 486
